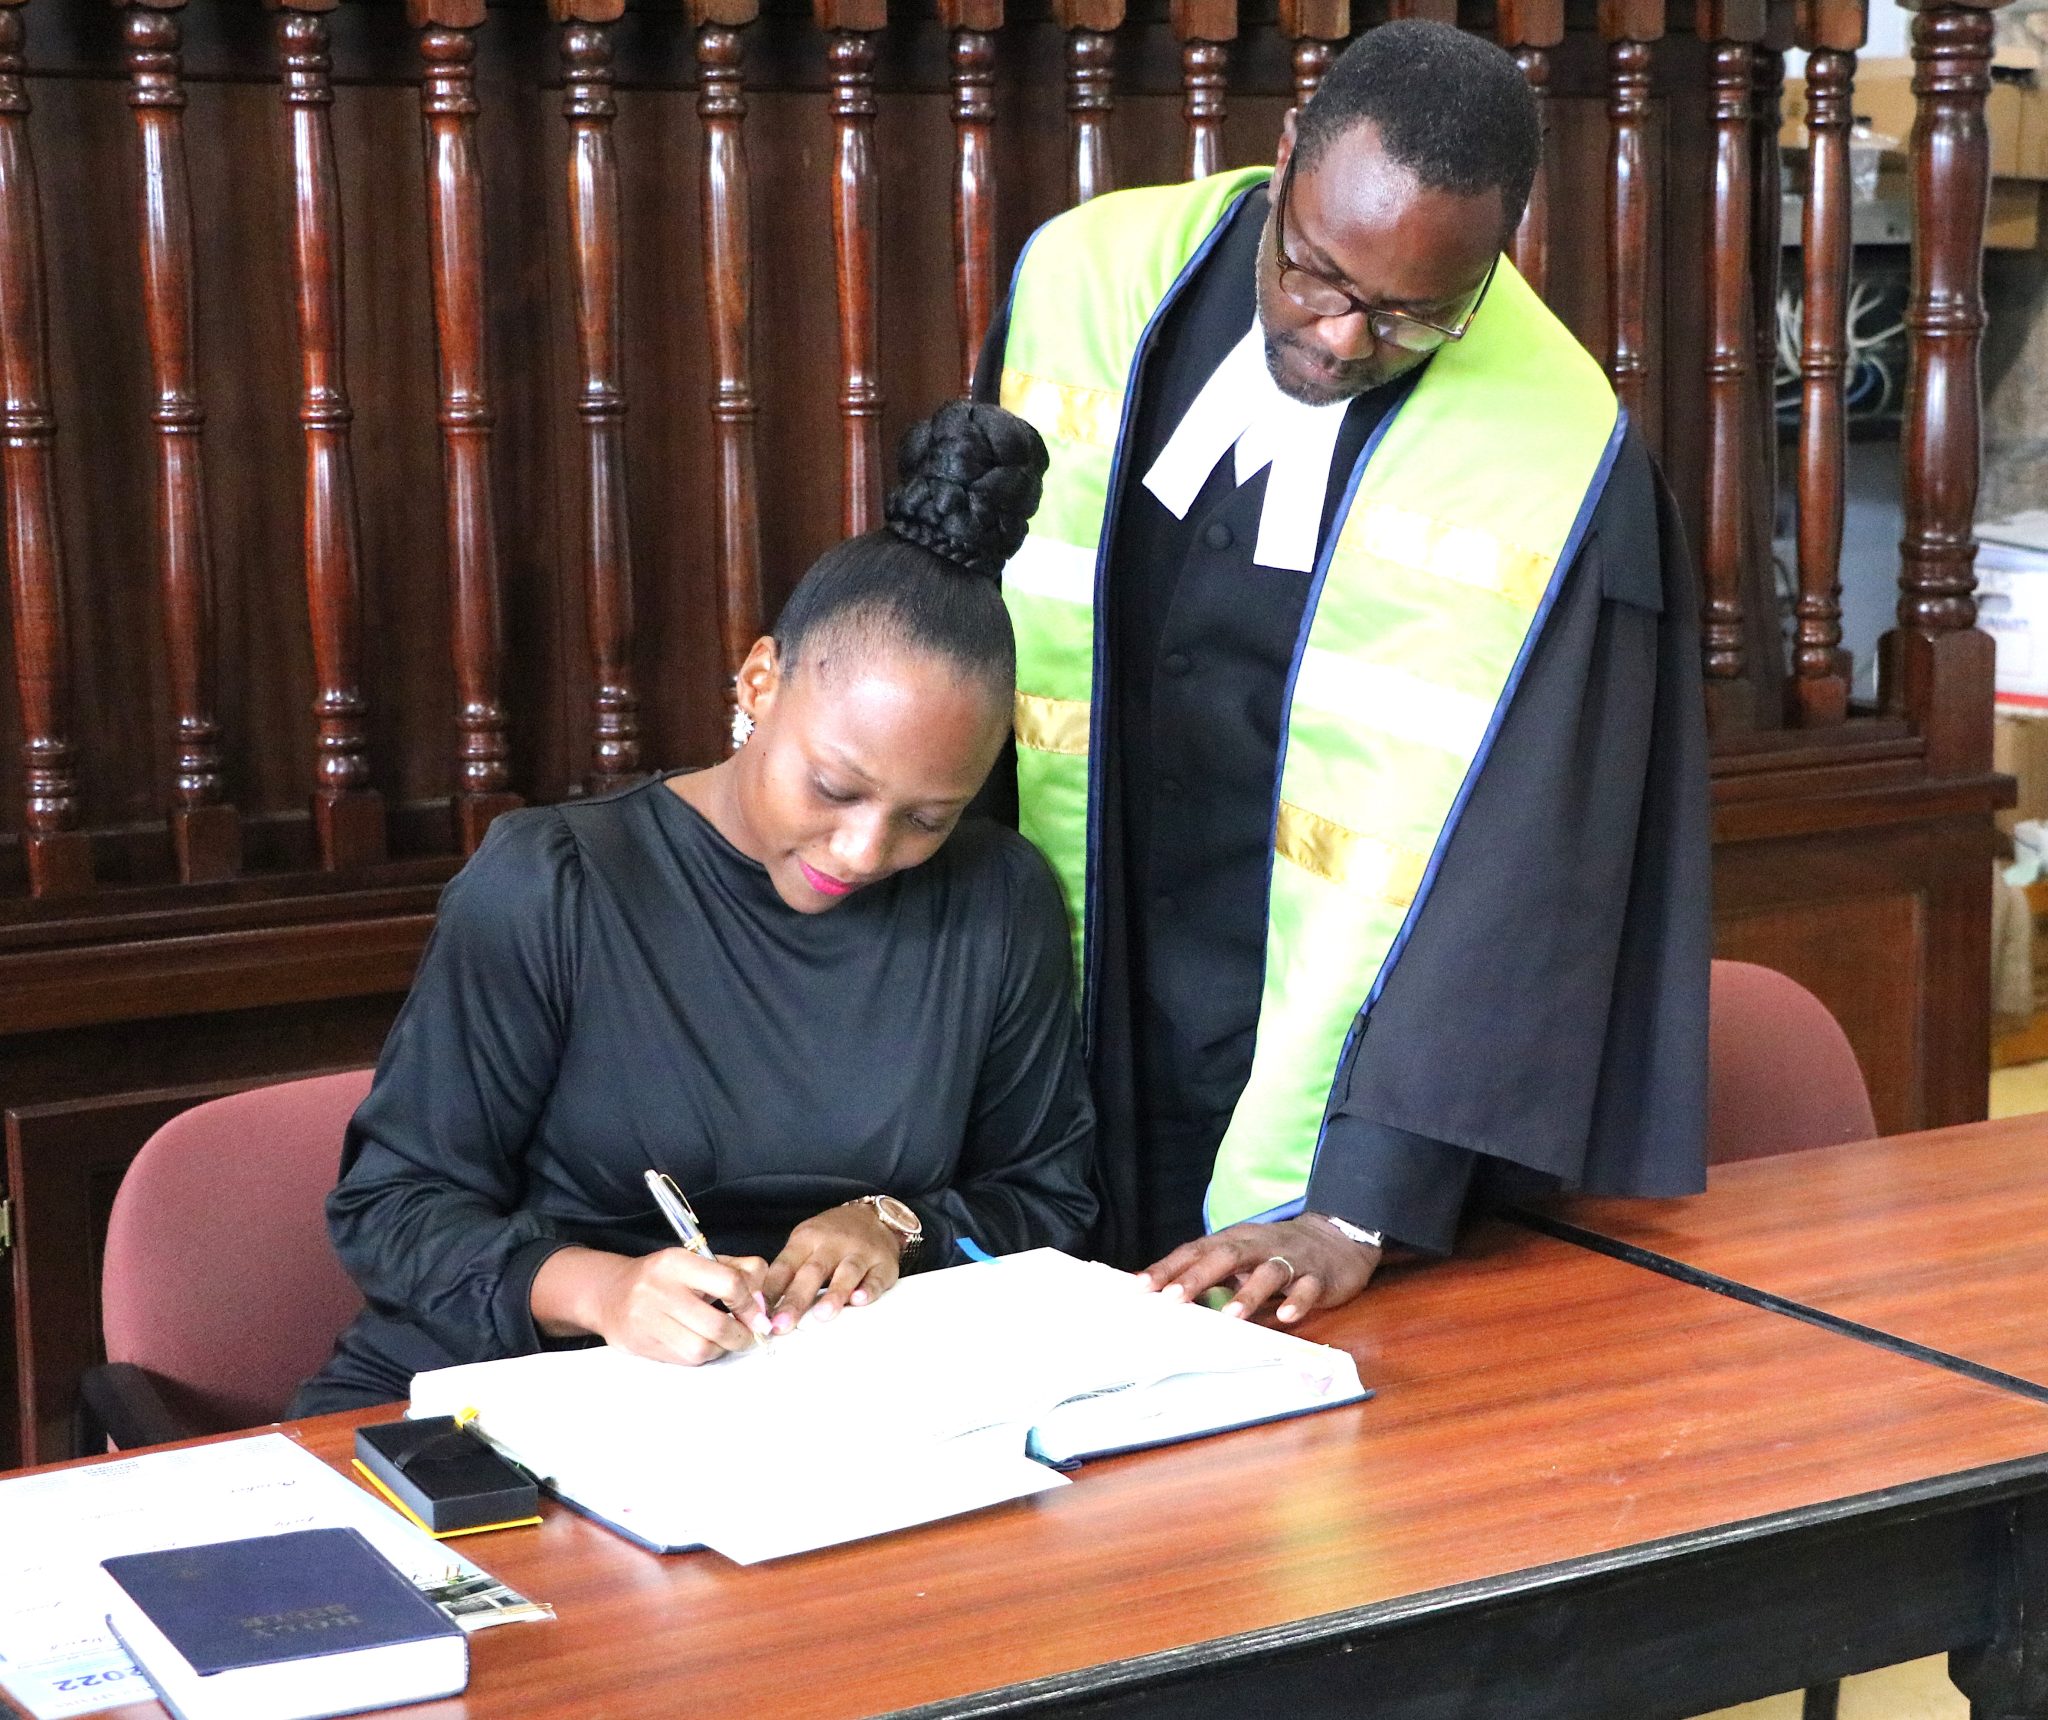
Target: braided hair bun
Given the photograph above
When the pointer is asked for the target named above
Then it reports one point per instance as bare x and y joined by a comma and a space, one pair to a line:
971, 476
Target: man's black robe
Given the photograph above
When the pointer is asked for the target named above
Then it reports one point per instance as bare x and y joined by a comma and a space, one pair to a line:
1546, 1023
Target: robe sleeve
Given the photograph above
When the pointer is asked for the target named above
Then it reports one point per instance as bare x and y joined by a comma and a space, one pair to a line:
1549, 1012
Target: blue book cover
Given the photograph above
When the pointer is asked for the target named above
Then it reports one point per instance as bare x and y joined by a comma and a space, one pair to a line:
272, 1598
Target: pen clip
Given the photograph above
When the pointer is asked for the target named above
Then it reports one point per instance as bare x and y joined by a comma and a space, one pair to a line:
677, 1210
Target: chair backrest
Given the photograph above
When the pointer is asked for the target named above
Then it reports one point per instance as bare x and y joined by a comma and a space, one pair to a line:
218, 1275
1780, 1071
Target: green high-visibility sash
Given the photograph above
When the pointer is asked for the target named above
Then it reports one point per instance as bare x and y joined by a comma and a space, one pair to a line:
1444, 563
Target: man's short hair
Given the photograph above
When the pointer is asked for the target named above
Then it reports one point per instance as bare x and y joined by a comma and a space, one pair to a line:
1449, 106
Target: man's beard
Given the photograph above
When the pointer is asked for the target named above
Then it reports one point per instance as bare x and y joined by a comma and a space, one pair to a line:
1325, 383
1346, 381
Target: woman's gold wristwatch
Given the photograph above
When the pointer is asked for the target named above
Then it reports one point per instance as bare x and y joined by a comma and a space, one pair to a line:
898, 1219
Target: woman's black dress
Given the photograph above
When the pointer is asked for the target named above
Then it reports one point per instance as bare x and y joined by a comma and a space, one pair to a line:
611, 986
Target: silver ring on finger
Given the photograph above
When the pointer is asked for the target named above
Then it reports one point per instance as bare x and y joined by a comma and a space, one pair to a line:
1282, 1260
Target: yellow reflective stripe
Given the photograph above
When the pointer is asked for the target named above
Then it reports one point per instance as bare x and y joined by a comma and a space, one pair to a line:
1065, 410
1052, 725
1461, 553
1360, 863
1381, 697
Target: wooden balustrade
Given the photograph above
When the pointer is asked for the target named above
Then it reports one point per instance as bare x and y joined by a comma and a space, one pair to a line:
728, 298
348, 814
1730, 28
856, 223
1734, 77
455, 243
1315, 27
1529, 29
1629, 27
601, 397
205, 833
1936, 667
973, 24
1203, 28
59, 861
1091, 91
1773, 699
1830, 31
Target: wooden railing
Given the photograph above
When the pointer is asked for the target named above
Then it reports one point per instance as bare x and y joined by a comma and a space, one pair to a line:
1731, 67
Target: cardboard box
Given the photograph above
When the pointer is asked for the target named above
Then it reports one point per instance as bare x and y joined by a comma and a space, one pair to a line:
2012, 606
2012, 217
2015, 116
2019, 748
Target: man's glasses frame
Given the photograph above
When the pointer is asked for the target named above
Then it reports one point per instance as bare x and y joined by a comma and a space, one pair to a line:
1324, 298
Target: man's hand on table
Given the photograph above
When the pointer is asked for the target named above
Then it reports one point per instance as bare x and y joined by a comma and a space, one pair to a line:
1306, 1262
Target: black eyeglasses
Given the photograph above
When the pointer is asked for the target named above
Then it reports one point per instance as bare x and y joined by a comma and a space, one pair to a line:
1322, 297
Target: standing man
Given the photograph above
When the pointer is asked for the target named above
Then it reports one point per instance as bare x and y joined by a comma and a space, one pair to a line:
1358, 697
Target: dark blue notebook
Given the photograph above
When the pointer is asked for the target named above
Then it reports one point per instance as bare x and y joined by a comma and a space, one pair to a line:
271, 1598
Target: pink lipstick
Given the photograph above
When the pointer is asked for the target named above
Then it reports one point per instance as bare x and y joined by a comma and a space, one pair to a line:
822, 883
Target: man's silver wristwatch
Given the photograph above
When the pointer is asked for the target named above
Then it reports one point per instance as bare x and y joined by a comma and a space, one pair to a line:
1366, 1238
898, 1219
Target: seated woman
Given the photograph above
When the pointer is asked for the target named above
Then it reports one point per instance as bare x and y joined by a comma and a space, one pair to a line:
843, 1026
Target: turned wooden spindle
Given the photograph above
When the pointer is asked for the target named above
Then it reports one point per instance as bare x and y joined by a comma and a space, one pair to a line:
728, 296
1831, 34
1202, 27
455, 247
59, 859
856, 224
348, 814
1315, 27
1091, 86
1730, 29
206, 837
600, 394
1936, 666
973, 24
1629, 27
1529, 29
1766, 252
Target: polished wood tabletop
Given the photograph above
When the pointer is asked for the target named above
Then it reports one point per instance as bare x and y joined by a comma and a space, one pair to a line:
1547, 1417
1940, 1239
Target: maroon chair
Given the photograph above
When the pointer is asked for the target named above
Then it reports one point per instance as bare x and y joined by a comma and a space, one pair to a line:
1780, 1072
220, 1290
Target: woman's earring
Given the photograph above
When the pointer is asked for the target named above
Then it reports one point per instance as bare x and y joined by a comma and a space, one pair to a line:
742, 729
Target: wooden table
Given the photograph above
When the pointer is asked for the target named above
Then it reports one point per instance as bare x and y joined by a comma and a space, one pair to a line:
1584, 1489
1937, 1241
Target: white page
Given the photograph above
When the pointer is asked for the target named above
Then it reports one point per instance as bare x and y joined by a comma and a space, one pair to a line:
57, 1657
797, 1511
944, 1355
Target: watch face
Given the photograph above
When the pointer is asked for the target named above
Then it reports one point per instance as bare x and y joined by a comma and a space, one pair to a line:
898, 1217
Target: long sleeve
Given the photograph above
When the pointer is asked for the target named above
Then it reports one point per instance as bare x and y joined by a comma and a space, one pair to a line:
428, 1215
1382, 1178
1022, 1178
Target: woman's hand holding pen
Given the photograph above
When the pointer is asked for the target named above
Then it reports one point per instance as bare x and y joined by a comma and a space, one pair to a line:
843, 1257
665, 1305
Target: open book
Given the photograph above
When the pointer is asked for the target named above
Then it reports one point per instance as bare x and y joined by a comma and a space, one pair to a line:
955, 1391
